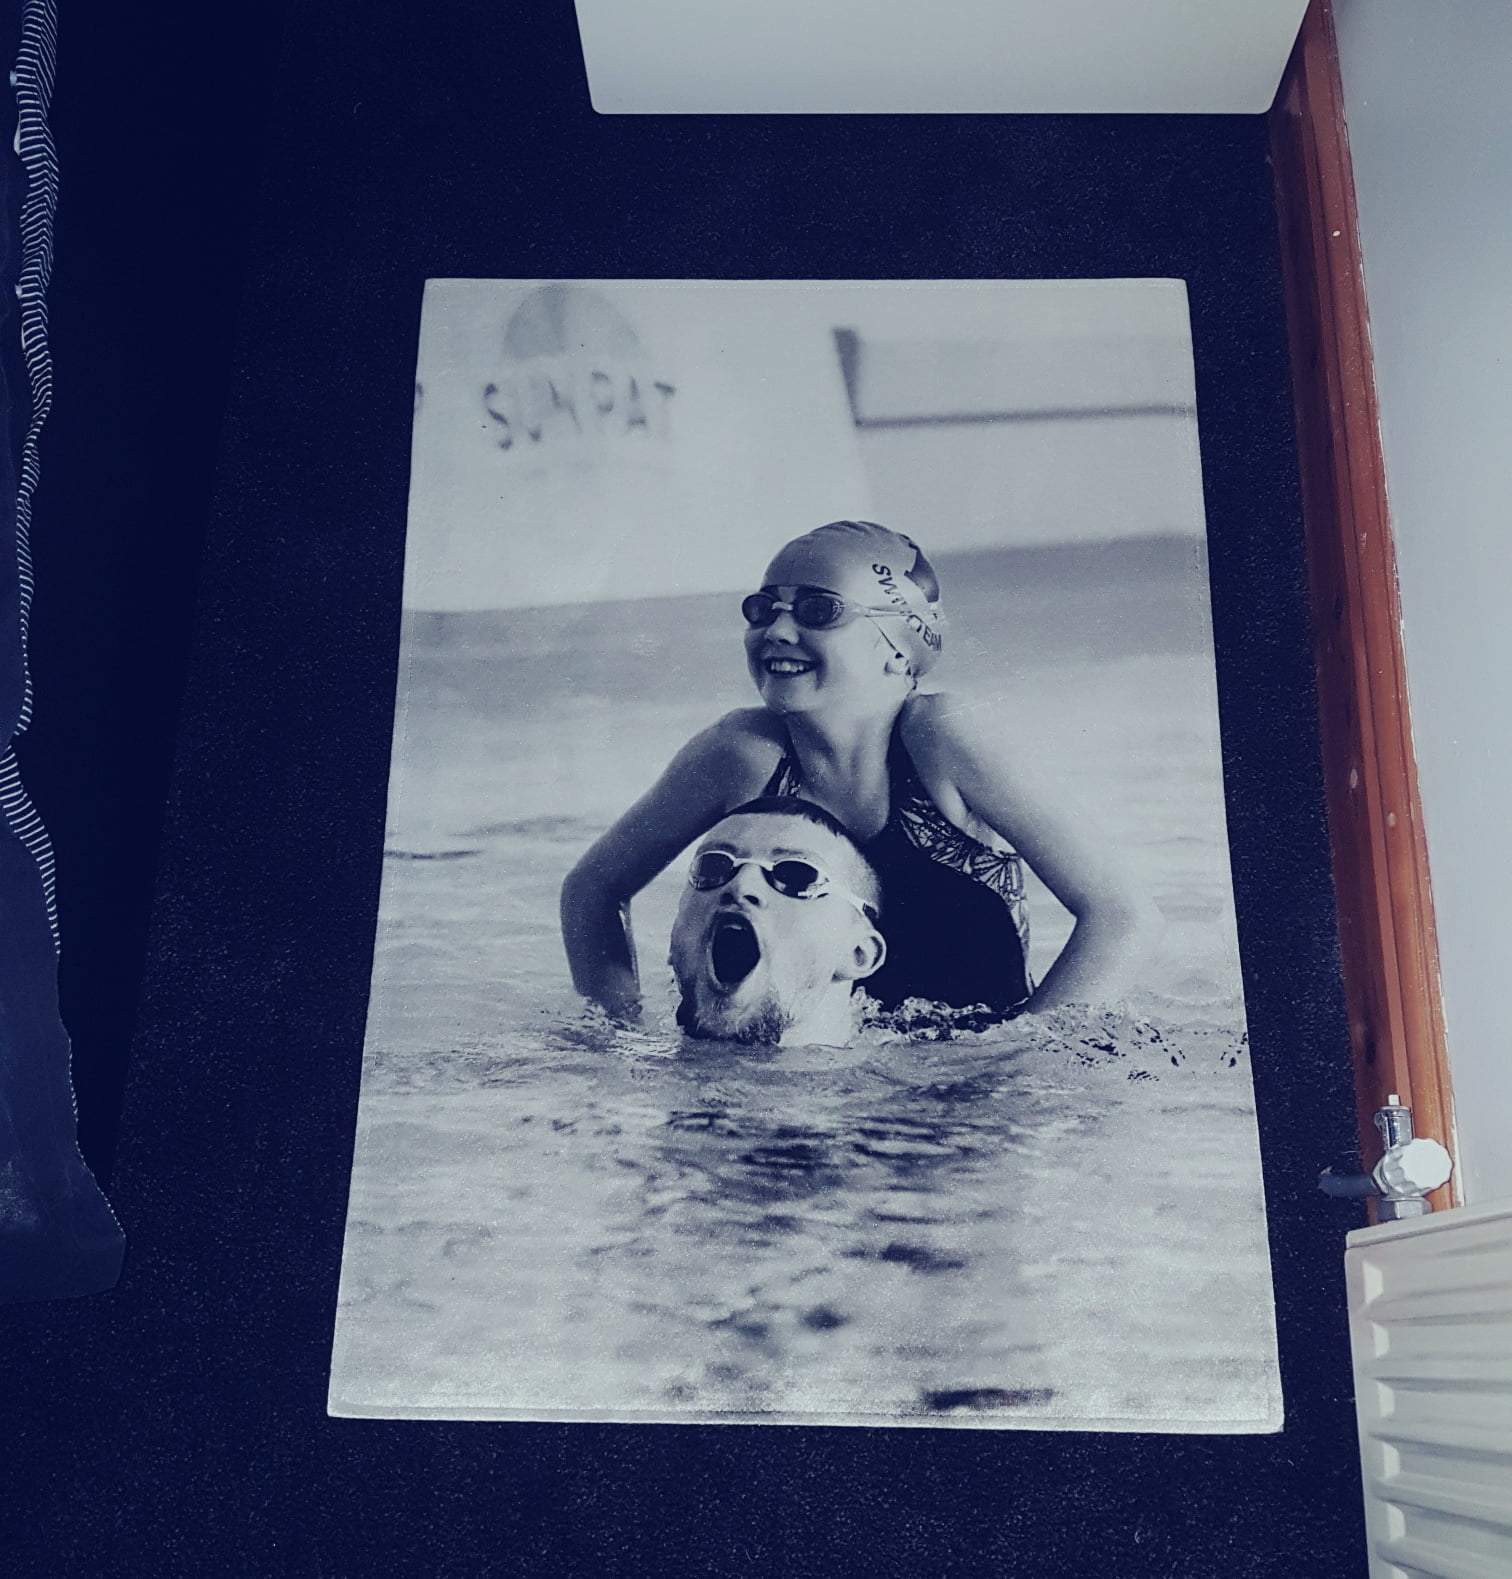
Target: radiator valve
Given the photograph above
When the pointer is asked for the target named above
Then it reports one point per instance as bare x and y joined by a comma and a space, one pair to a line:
1409, 1168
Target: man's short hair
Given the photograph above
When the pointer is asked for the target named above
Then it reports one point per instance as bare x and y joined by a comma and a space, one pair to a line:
809, 811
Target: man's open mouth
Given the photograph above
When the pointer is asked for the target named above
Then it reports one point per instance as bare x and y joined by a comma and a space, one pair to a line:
733, 950
786, 666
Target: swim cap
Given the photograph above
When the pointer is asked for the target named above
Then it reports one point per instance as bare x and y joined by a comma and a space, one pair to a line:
904, 580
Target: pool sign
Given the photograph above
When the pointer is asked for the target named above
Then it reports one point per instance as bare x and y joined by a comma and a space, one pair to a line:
572, 373
621, 439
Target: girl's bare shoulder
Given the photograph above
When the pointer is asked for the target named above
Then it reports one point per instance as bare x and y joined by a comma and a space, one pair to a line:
753, 726
748, 738
939, 726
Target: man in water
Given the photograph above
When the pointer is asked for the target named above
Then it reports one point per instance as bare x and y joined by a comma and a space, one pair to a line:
777, 925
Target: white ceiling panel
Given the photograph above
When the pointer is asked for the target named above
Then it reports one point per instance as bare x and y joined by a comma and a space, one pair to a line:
762, 57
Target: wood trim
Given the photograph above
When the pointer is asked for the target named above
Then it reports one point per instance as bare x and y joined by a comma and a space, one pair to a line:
1390, 952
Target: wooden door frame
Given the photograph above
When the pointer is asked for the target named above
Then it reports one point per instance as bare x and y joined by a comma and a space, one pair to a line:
1386, 926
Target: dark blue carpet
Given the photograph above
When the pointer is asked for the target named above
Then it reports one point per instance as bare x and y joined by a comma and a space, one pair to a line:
247, 222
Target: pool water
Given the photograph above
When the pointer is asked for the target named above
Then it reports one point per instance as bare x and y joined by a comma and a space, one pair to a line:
1056, 1223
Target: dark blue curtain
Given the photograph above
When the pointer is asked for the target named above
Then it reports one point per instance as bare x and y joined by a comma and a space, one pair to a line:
57, 1234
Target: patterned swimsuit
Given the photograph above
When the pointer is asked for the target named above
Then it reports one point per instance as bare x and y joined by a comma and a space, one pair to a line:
953, 909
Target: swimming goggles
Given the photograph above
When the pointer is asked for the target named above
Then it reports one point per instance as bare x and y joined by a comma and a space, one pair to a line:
812, 608
790, 877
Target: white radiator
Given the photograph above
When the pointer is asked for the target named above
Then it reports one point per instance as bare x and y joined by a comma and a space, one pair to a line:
1430, 1322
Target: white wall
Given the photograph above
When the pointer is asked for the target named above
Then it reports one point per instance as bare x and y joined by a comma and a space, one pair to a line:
1428, 99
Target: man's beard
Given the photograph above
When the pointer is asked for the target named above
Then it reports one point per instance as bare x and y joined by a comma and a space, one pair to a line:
761, 1022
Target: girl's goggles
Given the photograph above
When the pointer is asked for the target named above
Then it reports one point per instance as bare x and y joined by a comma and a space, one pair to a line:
812, 608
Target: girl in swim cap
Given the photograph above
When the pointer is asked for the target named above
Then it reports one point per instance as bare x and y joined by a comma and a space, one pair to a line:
846, 623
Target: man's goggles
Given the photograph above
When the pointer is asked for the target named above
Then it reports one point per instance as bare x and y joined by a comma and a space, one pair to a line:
792, 878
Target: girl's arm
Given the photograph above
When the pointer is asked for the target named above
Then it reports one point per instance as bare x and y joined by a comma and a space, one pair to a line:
713, 772
962, 747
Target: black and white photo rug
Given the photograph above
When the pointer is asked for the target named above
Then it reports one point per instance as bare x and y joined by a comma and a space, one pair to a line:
848, 644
